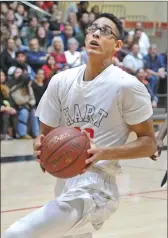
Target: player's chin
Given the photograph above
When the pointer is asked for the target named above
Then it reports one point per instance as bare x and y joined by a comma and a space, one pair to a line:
93, 52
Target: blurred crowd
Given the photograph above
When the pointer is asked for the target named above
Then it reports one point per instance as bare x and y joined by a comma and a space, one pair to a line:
34, 47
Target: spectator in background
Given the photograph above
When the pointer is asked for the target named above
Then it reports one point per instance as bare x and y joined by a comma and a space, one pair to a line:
21, 62
81, 29
14, 31
57, 51
133, 61
82, 8
126, 48
55, 25
67, 34
23, 100
142, 76
95, 10
38, 85
5, 35
11, 17
49, 68
7, 113
4, 9
13, 74
155, 67
42, 38
35, 57
125, 32
143, 45
47, 5
45, 23
73, 57
144, 39
19, 45
8, 55
92, 17
20, 15
29, 32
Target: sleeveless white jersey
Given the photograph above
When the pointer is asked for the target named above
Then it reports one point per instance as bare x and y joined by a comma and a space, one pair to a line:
105, 105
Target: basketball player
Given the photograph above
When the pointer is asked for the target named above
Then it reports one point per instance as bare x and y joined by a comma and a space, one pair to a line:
111, 103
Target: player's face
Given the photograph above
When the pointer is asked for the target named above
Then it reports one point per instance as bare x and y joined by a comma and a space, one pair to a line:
102, 38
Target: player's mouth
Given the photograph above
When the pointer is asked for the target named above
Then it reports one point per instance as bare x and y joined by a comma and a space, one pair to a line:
94, 43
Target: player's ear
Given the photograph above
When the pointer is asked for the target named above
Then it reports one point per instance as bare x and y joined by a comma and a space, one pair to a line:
118, 45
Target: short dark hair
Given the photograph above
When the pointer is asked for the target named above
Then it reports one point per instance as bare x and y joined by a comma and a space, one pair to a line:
19, 52
114, 19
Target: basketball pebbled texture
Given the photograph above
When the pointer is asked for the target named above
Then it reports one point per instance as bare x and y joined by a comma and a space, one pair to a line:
64, 151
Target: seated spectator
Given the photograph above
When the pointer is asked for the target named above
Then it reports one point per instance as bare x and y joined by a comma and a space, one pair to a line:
38, 85
133, 61
143, 45
57, 51
125, 32
8, 55
49, 68
5, 35
126, 48
143, 78
95, 10
164, 59
155, 67
29, 32
82, 8
80, 30
14, 31
23, 100
7, 113
19, 45
20, 15
21, 62
47, 5
55, 25
73, 57
67, 34
4, 9
44, 22
72, 19
10, 17
35, 57
144, 39
92, 17
42, 38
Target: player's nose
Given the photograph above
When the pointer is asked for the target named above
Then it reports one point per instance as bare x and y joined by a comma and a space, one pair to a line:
97, 33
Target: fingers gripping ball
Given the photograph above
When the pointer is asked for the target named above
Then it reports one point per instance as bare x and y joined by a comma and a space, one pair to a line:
64, 151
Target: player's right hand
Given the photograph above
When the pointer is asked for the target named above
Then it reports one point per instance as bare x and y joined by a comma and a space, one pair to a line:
36, 147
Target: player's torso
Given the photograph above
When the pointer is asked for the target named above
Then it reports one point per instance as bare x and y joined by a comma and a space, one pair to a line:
94, 106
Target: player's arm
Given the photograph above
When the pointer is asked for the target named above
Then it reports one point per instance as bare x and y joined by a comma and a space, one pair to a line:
48, 112
144, 146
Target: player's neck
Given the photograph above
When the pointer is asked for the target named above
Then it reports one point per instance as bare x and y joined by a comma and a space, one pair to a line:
93, 69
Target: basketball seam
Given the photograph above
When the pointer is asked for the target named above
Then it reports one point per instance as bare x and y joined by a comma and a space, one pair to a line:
62, 145
73, 161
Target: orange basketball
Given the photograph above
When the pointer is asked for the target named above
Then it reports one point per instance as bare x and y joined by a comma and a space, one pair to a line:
64, 151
